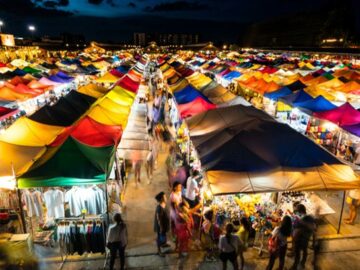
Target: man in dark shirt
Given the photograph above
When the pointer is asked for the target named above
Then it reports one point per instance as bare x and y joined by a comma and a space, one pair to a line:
161, 222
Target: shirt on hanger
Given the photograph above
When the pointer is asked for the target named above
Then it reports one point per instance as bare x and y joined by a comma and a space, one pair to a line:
54, 201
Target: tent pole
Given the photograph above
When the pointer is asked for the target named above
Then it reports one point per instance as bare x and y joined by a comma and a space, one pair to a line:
342, 211
22, 215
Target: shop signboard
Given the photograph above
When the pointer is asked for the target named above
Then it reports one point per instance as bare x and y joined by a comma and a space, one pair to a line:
7, 40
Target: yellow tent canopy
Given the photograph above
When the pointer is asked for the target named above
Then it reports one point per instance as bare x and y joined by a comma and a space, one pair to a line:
30, 133
7, 94
93, 90
111, 105
107, 78
326, 177
19, 157
107, 117
181, 84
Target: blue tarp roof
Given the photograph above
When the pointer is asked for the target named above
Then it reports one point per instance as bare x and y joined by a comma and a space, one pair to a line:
299, 96
257, 144
64, 76
297, 85
317, 104
123, 69
56, 78
282, 92
188, 94
232, 75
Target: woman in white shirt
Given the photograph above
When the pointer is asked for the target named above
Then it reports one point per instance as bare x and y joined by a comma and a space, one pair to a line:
229, 245
117, 240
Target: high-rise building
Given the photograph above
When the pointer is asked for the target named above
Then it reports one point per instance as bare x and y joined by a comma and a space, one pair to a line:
140, 39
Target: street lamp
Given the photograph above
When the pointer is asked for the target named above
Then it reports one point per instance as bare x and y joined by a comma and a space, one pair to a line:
31, 28
1, 25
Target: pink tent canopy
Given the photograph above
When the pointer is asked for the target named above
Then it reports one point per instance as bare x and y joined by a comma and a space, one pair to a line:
343, 115
196, 106
46, 81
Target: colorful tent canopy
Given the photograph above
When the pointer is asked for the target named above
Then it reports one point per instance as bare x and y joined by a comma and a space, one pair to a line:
5, 110
232, 75
297, 85
92, 90
297, 97
282, 92
30, 133
128, 84
72, 162
65, 112
107, 78
20, 158
188, 94
92, 133
343, 115
196, 106
318, 104
260, 154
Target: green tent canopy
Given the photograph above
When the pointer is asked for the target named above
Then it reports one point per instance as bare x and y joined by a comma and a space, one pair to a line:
73, 164
31, 70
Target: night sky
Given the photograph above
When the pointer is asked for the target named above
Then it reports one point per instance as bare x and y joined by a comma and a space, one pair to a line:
116, 20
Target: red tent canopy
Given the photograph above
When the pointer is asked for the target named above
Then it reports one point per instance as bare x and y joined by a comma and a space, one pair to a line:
116, 73
91, 133
4, 110
196, 106
128, 84
343, 115
17, 79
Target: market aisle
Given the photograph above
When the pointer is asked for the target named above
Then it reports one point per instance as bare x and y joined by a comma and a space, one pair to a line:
140, 208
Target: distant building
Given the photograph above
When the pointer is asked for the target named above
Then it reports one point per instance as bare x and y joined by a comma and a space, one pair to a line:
142, 39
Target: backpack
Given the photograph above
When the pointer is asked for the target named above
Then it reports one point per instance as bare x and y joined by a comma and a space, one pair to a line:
273, 244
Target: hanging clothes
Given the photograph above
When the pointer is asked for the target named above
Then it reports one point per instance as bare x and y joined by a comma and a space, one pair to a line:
54, 202
28, 201
91, 199
81, 236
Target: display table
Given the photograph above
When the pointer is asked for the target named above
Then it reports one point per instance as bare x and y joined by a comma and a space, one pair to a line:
311, 201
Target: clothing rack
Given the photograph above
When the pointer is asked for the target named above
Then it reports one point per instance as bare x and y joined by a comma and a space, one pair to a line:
81, 219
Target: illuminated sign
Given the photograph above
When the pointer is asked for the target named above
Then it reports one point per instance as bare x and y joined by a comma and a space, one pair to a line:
7, 40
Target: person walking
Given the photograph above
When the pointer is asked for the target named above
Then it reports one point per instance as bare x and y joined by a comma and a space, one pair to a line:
117, 240
353, 201
137, 170
183, 228
161, 222
243, 233
150, 165
278, 241
175, 200
301, 239
229, 246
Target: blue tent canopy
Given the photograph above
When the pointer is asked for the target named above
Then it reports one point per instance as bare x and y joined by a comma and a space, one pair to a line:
317, 104
19, 72
258, 144
123, 69
299, 96
188, 94
282, 92
232, 75
64, 76
297, 85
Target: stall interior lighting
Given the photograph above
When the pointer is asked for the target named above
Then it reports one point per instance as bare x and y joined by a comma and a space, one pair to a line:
7, 182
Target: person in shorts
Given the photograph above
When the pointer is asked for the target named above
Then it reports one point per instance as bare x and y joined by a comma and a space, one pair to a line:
353, 201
